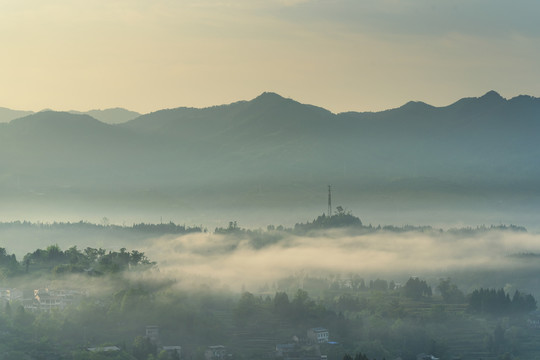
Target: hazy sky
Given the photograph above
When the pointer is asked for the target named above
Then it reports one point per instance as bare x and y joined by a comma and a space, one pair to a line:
340, 54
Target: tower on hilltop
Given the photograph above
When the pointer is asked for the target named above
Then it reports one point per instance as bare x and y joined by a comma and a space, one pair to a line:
329, 200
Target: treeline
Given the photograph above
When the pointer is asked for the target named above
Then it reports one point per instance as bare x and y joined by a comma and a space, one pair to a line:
162, 228
483, 228
416, 288
9, 265
341, 219
90, 260
358, 356
497, 302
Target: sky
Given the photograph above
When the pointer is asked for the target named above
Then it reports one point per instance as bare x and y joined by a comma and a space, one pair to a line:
343, 55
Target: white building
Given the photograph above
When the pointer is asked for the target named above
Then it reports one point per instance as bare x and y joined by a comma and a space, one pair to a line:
152, 332
172, 350
47, 300
318, 335
215, 352
10, 294
104, 349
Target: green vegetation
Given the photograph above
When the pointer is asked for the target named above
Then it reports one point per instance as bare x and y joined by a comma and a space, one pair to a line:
372, 319
416, 289
340, 219
104, 299
493, 301
90, 260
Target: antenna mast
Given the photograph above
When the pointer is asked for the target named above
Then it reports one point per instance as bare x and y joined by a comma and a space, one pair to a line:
329, 201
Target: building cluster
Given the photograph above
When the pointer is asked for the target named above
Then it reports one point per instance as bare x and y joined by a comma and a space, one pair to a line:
7, 294
41, 300
426, 357
307, 348
216, 352
48, 300
152, 333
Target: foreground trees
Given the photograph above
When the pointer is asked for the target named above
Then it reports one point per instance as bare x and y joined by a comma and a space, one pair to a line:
497, 302
94, 261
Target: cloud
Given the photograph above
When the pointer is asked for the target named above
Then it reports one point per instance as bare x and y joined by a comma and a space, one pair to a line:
233, 261
424, 17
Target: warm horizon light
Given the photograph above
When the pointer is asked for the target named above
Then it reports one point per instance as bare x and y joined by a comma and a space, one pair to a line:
342, 55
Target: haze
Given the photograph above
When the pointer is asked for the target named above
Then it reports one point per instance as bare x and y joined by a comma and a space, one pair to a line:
230, 262
342, 55
238, 179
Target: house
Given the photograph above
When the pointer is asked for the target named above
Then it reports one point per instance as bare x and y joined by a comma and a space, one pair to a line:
215, 352
10, 294
104, 349
533, 321
47, 299
152, 333
173, 350
283, 350
426, 357
318, 335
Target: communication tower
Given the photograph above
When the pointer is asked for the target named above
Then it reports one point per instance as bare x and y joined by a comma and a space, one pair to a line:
329, 200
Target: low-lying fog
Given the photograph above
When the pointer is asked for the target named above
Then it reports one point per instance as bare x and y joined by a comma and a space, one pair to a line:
253, 260
236, 263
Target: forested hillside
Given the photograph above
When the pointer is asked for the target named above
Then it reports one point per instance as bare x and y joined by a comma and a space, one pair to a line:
97, 304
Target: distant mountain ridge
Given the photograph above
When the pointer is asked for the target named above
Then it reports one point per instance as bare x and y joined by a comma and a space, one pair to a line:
272, 148
6, 115
108, 116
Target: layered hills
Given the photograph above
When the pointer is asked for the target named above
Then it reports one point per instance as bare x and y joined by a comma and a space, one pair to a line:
109, 116
273, 149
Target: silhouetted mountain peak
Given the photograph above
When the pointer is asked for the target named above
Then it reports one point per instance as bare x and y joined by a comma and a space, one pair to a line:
271, 99
492, 96
416, 106
268, 96
489, 99
285, 109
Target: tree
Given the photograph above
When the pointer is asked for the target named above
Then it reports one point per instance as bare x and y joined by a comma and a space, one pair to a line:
416, 288
163, 355
497, 302
54, 253
247, 306
498, 336
380, 285
7, 310
142, 347
8, 263
23, 319
282, 303
450, 292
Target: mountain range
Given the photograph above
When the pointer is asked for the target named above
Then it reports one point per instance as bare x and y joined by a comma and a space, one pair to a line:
272, 152
109, 116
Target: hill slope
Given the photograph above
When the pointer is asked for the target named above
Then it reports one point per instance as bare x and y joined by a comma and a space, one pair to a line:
273, 151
